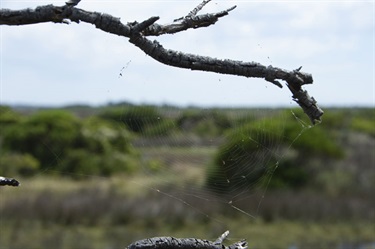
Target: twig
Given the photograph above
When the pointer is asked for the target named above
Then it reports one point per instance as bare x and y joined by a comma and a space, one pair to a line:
185, 23
195, 11
137, 33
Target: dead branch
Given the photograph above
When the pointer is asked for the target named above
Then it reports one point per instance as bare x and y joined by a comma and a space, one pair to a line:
138, 31
189, 243
4, 181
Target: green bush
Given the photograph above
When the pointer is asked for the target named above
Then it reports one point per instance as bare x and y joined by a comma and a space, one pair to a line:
318, 142
204, 123
8, 116
119, 163
63, 143
14, 164
80, 163
45, 135
100, 136
256, 149
289, 174
136, 118
365, 125
244, 159
162, 127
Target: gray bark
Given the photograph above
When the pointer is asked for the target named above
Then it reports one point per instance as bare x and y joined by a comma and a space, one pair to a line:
189, 243
138, 32
4, 181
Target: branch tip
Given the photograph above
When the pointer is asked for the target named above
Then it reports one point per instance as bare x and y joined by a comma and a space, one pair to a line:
232, 8
221, 238
139, 27
225, 12
298, 69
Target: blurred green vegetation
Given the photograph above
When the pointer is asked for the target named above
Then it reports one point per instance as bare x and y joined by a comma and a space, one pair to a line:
13, 164
56, 141
61, 213
366, 125
206, 123
250, 144
104, 177
258, 147
135, 118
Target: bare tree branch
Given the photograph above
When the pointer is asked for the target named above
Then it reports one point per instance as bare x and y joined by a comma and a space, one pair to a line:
137, 33
185, 23
195, 11
189, 243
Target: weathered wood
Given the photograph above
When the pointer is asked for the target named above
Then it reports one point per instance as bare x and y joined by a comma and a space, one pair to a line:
188, 243
138, 32
4, 181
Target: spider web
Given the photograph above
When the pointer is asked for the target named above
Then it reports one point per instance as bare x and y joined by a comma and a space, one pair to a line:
185, 164
185, 172
179, 163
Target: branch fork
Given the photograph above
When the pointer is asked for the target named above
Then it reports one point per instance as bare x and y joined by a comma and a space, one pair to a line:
138, 32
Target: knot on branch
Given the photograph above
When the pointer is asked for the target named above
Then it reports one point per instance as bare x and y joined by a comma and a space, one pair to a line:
297, 77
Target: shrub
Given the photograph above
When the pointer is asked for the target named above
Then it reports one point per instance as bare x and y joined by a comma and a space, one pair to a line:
59, 139
257, 148
136, 118
8, 116
13, 164
365, 125
44, 135
289, 174
81, 163
204, 123
100, 136
162, 127
244, 159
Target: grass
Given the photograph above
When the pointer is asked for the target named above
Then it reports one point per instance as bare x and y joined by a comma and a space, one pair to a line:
113, 212
281, 234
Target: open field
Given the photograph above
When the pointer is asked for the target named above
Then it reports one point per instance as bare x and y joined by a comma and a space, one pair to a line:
112, 212
164, 189
276, 235
108, 213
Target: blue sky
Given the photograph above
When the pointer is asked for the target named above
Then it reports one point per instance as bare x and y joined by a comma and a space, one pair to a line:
58, 64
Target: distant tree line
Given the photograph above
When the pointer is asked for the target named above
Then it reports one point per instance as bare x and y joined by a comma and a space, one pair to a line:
59, 141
